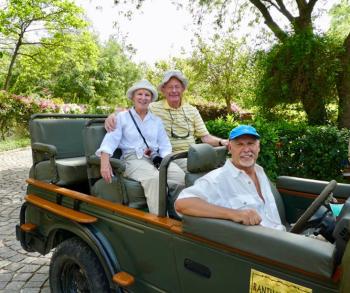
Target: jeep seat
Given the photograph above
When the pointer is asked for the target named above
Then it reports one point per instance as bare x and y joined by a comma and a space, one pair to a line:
121, 190
57, 150
201, 159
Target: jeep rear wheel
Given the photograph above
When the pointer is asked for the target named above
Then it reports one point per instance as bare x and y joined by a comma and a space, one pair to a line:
74, 267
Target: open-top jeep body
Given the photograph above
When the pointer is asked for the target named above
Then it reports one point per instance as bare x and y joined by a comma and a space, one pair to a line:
105, 239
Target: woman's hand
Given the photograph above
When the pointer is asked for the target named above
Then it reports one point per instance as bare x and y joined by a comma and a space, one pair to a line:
106, 168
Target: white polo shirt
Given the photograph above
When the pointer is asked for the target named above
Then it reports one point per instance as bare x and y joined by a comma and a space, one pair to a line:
231, 187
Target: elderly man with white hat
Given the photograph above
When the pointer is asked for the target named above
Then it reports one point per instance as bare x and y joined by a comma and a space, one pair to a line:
143, 141
239, 191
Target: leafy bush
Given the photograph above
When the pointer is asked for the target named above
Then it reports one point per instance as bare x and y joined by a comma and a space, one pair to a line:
210, 110
295, 149
7, 113
221, 127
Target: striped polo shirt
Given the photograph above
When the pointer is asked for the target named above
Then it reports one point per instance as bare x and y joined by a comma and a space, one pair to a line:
183, 125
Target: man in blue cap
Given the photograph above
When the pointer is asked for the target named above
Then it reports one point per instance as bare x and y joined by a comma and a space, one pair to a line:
239, 191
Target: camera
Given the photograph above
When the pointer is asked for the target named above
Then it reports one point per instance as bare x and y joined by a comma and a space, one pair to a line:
156, 159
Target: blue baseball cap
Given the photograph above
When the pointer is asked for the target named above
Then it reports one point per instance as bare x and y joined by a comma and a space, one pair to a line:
243, 130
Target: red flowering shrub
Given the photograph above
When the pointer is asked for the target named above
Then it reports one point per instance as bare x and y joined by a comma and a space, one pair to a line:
15, 111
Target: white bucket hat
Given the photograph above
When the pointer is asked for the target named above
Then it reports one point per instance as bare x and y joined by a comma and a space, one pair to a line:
142, 84
173, 73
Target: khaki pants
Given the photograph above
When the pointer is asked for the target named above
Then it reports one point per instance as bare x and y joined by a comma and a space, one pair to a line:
142, 170
182, 163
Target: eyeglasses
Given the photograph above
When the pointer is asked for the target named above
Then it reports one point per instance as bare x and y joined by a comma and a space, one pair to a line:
173, 87
172, 133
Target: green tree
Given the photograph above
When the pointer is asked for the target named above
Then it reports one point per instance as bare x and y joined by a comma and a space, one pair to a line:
20, 18
74, 75
296, 18
66, 72
301, 69
340, 29
81, 70
222, 69
115, 73
287, 19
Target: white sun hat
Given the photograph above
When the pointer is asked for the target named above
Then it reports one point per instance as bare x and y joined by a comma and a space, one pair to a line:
173, 73
142, 84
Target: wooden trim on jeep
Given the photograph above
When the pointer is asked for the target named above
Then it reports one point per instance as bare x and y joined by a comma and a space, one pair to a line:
123, 279
298, 193
60, 210
28, 227
303, 194
106, 204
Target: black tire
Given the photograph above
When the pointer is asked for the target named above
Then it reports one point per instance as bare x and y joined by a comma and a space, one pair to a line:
74, 267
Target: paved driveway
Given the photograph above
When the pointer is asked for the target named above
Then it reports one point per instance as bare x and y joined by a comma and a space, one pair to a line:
20, 271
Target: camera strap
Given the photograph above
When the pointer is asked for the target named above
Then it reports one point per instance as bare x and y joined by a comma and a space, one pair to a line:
138, 129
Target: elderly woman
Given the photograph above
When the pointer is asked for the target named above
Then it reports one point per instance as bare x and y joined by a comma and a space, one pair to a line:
143, 141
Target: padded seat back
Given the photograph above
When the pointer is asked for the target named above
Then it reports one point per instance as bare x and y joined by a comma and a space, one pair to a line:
311, 186
93, 134
280, 205
64, 134
203, 158
121, 189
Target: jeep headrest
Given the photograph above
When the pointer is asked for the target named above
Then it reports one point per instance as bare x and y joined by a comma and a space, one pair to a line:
201, 158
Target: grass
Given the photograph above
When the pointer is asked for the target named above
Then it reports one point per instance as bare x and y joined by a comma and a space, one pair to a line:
12, 143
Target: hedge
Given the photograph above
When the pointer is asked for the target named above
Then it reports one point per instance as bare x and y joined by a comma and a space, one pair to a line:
295, 149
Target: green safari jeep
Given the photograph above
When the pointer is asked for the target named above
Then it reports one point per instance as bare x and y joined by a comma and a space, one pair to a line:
105, 240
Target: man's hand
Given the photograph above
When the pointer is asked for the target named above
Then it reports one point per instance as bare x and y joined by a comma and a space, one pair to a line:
246, 217
110, 123
194, 206
223, 142
214, 141
106, 168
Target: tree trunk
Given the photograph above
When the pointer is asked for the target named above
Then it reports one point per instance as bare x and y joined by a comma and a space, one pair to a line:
315, 110
343, 86
228, 104
12, 63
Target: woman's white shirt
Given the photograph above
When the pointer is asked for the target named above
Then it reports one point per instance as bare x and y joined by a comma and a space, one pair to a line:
128, 139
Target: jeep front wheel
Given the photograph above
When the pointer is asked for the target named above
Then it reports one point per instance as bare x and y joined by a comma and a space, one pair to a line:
74, 267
